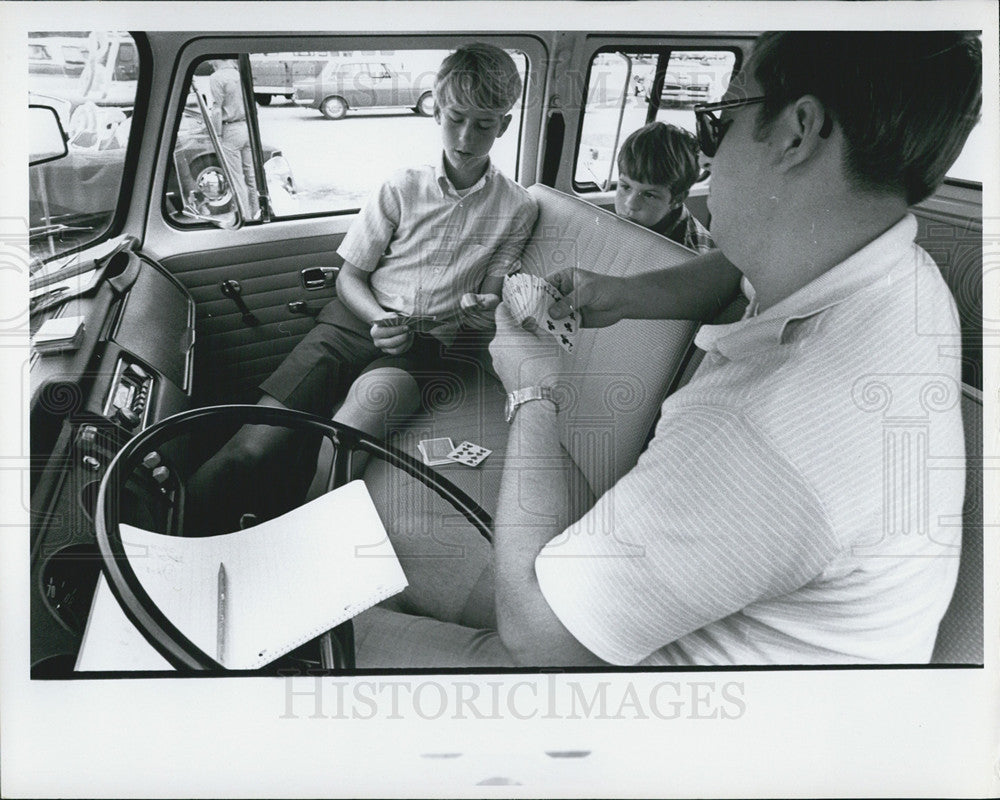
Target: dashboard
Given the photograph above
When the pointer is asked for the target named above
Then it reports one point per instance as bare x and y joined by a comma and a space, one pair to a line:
130, 367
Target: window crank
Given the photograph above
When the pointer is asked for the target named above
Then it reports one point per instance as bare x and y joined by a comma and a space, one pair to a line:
232, 289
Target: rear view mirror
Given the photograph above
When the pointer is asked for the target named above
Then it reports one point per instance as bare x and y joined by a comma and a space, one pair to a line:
46, 137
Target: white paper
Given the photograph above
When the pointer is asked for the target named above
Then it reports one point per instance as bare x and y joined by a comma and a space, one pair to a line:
289, 580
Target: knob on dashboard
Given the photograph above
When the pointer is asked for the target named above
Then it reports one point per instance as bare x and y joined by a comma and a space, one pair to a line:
88, 435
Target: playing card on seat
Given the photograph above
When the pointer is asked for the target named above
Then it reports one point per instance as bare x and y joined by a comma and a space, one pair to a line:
469, 454
435, 451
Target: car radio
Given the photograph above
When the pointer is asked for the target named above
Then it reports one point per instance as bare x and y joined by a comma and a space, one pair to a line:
128, 400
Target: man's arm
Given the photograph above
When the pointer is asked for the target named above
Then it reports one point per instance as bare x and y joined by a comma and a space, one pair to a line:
541, 493
696, 289
535, 506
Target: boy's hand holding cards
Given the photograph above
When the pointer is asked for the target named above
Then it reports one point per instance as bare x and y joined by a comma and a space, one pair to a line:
392, 334
529, 298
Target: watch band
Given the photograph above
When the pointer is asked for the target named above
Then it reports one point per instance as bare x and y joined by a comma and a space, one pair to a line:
519, 397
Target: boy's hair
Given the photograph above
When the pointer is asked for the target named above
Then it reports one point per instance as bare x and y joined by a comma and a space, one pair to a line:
905, 101
480, 76
661, 154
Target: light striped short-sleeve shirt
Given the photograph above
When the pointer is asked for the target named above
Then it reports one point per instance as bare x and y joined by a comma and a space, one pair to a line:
426, 244
801, 500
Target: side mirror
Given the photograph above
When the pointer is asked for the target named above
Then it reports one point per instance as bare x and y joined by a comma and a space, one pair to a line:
47, 141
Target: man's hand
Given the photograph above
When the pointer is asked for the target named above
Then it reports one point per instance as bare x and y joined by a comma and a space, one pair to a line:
598, 300
477, 309
521, 357
391, 338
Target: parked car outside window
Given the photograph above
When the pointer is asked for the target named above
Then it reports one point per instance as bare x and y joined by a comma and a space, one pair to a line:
344, 86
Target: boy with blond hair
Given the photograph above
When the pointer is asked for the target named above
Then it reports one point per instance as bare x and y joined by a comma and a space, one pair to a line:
657, 165
424, 260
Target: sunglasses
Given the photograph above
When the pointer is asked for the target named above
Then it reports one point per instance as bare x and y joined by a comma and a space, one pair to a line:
710, 128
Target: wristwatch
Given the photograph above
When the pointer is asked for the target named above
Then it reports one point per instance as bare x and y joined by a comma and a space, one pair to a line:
519, 397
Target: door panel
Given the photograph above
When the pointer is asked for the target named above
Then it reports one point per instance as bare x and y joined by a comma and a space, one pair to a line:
231, 356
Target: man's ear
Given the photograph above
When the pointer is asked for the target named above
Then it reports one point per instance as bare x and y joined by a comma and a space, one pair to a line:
803, 127
503, 124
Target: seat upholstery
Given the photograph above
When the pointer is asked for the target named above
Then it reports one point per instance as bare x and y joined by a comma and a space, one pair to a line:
618, 376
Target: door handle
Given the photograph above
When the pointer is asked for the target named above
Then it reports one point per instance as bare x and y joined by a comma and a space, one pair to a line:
319, 277
232, 289
302, 307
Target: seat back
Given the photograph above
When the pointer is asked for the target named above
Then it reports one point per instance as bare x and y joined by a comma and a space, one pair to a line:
960, 635
618, 376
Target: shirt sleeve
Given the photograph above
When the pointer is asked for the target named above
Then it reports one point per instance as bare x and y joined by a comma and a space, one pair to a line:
216, 88
522, 222
711, 519
370, 234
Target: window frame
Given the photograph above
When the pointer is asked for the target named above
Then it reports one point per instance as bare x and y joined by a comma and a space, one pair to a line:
663, 53
140, 109
196, 52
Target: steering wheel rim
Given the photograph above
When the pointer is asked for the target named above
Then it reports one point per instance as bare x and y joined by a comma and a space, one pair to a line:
140, 609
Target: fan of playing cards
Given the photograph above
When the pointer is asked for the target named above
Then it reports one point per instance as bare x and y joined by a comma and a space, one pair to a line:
529, 297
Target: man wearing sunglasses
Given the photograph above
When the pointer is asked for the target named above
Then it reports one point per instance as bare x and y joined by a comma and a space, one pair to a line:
775, 517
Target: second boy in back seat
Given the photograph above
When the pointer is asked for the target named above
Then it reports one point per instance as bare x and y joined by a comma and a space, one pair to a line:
426, 256
657, 165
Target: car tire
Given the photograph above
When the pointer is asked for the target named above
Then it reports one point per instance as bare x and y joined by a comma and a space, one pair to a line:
262, 99
333, 107
425, 105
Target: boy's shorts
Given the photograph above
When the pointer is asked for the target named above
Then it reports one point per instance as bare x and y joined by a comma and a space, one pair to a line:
317, 374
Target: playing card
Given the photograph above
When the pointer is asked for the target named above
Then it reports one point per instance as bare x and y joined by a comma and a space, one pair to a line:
435, 451
469, 454
392, 321
564, 330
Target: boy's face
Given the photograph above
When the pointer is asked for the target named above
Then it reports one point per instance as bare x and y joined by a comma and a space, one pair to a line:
645, 203
468, 133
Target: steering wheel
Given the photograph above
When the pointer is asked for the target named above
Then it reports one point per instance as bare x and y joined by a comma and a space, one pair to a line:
135, 458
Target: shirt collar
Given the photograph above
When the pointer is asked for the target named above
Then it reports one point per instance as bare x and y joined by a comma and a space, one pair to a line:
447, 187
674, 220
873, 262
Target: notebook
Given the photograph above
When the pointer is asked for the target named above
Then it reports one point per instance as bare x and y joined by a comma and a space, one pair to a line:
59, 334
288, 580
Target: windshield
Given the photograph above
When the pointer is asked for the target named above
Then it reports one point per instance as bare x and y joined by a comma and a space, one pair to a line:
90, 79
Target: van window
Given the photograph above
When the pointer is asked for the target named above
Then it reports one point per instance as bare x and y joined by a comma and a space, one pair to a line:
72, 200
330, 131
630, 88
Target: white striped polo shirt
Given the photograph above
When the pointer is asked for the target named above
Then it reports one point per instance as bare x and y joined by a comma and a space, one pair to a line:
426, 244
801, 500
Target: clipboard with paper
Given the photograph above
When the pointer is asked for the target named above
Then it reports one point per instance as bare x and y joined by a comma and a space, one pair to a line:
287, 581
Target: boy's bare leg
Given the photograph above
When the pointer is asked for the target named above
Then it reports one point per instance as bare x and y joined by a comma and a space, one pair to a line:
375, 398
218, 487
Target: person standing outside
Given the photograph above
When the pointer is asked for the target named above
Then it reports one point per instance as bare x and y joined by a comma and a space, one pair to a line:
229, 118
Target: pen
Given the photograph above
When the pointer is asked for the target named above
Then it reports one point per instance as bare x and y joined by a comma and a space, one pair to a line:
220, 630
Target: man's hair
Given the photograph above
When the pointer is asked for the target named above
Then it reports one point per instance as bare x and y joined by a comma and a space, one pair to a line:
661, 154
905, 101
480, 76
